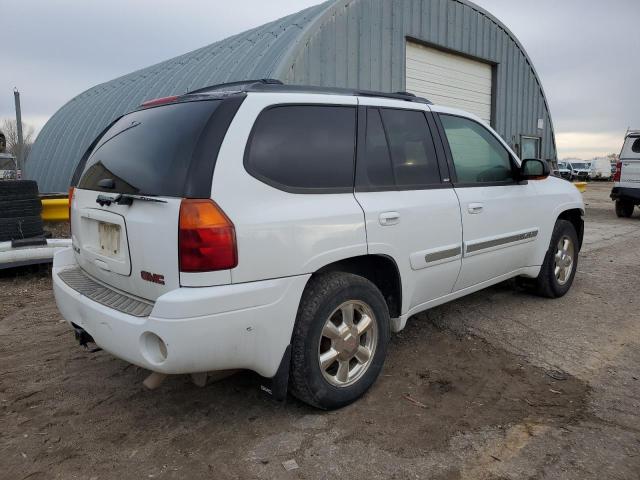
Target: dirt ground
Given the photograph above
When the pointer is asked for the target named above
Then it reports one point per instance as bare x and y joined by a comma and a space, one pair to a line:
498, 385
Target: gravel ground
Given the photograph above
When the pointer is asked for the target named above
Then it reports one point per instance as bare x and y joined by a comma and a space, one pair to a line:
498, 385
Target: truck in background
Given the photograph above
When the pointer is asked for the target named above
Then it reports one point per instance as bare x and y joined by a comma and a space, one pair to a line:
626, 187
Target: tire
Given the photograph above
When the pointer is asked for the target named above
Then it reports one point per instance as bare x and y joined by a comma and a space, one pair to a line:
20, 208
321, 301
549, 283
18, 188
624, 208
20, 227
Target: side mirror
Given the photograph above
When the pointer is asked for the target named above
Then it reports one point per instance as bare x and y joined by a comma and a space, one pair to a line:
534, 169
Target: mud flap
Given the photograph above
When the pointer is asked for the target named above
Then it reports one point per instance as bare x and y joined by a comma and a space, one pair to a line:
278, 385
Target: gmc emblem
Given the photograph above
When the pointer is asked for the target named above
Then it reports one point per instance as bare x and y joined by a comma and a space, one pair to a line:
152, 277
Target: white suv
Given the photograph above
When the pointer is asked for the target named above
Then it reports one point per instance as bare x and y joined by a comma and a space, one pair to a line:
288, 230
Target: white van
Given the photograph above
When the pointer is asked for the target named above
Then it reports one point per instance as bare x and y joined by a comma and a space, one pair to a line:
626, 189
600, 169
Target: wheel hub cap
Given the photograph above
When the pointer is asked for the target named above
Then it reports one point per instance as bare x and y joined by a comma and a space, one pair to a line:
347, 344
565, 252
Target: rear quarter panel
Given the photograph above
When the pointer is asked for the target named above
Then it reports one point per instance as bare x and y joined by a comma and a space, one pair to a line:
282, 234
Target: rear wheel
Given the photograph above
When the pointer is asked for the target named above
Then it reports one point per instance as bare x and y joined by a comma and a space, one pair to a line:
624, 208
339, 341
561, 261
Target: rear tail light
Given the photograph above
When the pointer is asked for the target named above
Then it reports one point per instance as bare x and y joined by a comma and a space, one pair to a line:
72, 191
206, 238
618, 174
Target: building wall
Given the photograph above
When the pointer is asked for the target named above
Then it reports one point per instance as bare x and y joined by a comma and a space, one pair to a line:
67, 135
344, 43
361, 44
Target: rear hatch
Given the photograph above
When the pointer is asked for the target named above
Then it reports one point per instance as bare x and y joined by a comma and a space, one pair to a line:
630, 162
125, 210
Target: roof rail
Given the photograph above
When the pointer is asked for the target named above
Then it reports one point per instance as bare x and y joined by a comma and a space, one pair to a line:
272, 85
242, 86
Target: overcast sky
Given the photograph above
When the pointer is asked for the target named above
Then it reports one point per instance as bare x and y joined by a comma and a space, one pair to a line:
585, 51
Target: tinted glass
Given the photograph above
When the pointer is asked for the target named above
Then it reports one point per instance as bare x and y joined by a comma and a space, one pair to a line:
375, 170
635, 148
477, 155
304, 147
150, 151
412, 152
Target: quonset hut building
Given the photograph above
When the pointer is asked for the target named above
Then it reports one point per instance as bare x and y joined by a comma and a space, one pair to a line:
450, 51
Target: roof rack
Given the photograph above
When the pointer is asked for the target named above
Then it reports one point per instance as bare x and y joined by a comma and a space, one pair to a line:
272, 85
240, 86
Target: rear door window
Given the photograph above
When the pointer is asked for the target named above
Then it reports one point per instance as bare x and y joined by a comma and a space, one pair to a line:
398, 152
412, 152
375, 171
150, 152
304, 148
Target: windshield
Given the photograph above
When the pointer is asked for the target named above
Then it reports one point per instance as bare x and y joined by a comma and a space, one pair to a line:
580, 166
150, 152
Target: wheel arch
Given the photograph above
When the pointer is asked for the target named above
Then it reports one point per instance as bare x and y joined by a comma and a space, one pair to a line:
381, 270
576, 217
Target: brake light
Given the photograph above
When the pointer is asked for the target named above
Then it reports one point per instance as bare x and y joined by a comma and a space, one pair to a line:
72, 191
206, 237
618, 174
159, 101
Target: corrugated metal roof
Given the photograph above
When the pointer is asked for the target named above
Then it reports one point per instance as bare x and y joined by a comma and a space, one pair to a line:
342, 43
67, 135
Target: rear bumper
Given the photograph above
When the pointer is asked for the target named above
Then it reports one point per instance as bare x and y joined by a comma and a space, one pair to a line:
242, 326
626, 193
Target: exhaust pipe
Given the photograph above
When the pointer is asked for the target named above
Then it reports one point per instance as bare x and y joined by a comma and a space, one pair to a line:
84, 339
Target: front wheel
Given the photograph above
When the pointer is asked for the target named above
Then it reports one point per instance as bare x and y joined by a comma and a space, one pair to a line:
561, 262
339, 341
624, 208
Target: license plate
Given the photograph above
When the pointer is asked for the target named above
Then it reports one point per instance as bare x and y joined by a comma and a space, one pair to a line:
109, 236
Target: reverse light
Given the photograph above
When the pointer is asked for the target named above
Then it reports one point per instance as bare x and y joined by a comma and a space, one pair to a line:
206, 238
159, 101
618, 174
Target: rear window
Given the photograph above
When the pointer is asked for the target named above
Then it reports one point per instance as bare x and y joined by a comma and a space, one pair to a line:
304, 148
158, 151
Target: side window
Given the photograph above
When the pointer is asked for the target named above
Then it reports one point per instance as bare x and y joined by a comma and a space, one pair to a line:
304, 148
478, 156
412, 152
375, 170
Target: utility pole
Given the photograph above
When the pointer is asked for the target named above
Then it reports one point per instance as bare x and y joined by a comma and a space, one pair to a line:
19, 159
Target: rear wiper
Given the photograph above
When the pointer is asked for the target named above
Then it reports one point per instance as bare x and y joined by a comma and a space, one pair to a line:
125, 199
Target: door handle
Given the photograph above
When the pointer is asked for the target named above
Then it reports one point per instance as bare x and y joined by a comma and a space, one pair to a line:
389, 218
475, 208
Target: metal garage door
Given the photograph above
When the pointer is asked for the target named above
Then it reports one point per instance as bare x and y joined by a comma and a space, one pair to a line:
450, 79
